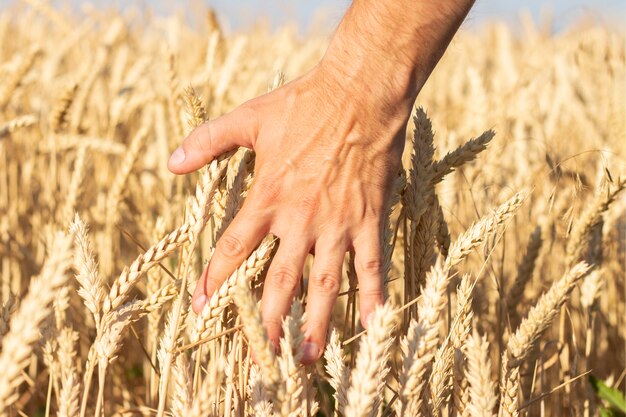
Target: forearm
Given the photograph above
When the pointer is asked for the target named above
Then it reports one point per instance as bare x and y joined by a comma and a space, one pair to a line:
395, 44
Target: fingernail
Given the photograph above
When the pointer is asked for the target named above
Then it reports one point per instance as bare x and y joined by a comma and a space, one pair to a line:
310, 352
199, 302
178, 157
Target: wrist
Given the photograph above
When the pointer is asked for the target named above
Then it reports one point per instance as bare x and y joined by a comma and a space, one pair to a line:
392, 46
373, 59
372, 74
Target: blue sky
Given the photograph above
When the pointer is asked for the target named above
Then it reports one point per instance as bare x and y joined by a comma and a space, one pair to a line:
324, 14
305, 11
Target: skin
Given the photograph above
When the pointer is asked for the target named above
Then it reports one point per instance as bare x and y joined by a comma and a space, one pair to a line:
328, 147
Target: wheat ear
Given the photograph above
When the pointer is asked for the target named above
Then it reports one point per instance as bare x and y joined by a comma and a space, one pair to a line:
173, 98
541, 315
119, 183
461, 327
121, 287
524, 271
443, 233
25, 327
482, 398
91, 283
8, 308
337, 370
465, 153
17, 124
224, 295
259, 400
198, 218
59, 113
291, 396
509, 389
370, 369
195, 109
257, 337
16, 76
418, 347
521, 343
75, 187
108, 342
582, 229
181, 389
440, 378
419, 189
479, 231
70, 384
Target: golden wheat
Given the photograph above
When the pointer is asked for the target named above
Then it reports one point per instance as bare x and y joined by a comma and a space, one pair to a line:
100, 245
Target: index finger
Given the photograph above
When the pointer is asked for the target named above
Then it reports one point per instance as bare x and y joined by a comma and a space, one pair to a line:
236, 244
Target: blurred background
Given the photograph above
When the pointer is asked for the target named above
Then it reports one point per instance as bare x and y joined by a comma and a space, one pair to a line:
320, 16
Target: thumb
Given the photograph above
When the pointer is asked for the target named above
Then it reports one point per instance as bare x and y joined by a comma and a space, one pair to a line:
211, 139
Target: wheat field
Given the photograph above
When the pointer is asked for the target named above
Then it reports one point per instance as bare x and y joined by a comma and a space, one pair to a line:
504, 253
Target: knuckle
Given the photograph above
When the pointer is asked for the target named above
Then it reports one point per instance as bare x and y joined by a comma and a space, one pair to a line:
374, 212
372, 267
249, 111
326, 283
266, 192
199, 140
285, 279
231, 246
373, 293
212, 283
272, 322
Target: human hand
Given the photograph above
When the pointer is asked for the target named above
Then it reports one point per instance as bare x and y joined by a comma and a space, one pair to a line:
328, 146
326, 156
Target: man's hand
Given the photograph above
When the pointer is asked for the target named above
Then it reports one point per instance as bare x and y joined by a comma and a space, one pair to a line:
325, 160
328, 146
